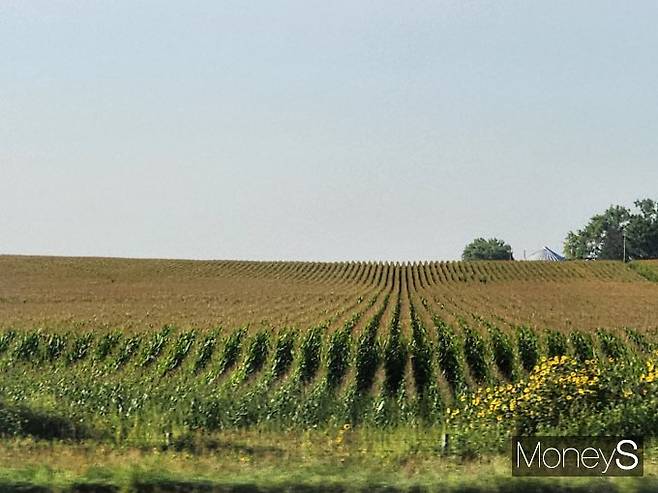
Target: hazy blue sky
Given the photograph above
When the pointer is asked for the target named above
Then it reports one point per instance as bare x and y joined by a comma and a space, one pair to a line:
320, 130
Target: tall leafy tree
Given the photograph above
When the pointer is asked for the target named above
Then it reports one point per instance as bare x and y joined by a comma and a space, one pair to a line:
642, 230
491, 249
603, 236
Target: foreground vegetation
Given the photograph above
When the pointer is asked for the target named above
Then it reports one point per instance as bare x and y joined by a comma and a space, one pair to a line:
393, 460
276, 411
163, 387
413, 376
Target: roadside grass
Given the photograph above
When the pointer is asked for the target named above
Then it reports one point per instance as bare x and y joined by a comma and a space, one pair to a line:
400, 459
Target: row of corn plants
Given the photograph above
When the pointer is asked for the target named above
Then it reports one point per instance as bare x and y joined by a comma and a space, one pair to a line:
167, 382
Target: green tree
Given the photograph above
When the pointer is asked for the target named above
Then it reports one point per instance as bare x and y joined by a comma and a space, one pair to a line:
642, 230
491, 249
603, 237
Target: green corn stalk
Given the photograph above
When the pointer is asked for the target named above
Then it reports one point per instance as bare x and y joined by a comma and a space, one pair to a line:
283, 354
475, 352
395, 355
450, 356
556, 344
528, 344
179, 352
583, 347
232, 348
205, 352
309, 354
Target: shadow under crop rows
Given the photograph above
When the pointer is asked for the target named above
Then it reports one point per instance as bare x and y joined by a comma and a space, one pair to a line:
24, 421
501, 486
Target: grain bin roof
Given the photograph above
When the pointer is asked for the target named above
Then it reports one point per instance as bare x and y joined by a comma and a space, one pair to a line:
546, 254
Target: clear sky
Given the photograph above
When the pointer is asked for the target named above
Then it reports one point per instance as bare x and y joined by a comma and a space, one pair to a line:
320, 130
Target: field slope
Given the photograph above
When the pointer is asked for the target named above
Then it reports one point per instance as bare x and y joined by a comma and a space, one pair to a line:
139, 294
367, 373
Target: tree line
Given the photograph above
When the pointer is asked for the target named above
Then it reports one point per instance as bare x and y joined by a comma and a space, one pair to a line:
617, 233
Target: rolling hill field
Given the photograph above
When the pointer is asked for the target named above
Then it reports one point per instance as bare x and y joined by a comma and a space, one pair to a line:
336, 367
56, 292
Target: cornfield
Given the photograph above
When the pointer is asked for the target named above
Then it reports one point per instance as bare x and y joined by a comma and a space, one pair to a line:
375, 344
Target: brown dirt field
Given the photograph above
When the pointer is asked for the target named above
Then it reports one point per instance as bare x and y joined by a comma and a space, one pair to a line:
61, 292
581, 304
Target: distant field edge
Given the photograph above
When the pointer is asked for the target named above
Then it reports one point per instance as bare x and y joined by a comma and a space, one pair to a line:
646, 268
